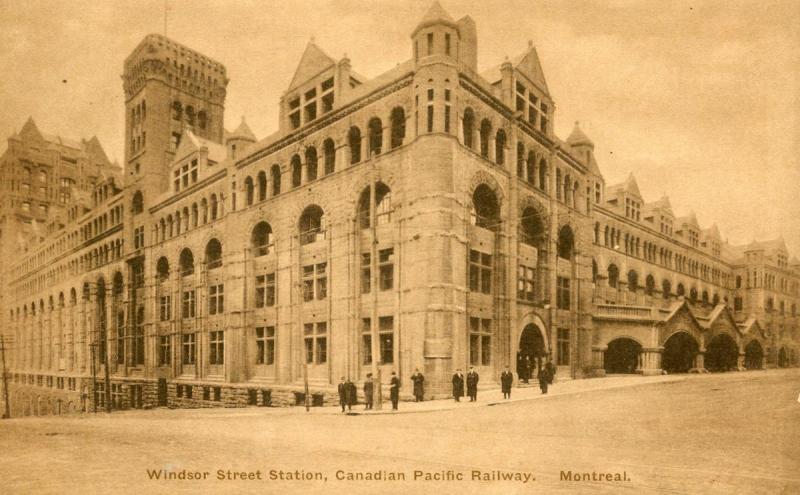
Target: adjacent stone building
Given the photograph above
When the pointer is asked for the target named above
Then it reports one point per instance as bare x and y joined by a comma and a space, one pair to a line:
426, 218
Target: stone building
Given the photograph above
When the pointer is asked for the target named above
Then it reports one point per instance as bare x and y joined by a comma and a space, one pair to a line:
426, 218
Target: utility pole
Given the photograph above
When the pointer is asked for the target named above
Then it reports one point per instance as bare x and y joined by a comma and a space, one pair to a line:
374, 281
7, 414
107, 379
92, 346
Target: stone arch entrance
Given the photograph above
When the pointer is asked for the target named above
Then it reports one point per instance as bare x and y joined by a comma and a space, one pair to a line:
722, 353
532, 350
783, 360
753, 355
622, 355
679, 353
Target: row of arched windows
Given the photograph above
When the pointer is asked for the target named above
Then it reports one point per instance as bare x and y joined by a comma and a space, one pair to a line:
633, 283
192, 118
531, 170
189, 217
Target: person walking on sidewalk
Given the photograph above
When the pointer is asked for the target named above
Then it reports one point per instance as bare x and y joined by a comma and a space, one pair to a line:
419, 385
525, 372
394, 390
368, 388
550, 369
343, 390
506, 380
352, 394
472, 384
458, 385
544, 379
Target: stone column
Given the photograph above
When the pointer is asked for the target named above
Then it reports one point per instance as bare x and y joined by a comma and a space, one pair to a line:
598, 360
740, 362
699, 362
650, 361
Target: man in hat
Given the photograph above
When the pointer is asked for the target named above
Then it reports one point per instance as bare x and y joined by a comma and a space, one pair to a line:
472, 384
419, 385
352, 394
368, 388
394, 390
458, 385
343, 390
506, 380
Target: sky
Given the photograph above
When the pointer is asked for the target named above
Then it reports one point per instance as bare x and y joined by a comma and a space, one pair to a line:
699, 100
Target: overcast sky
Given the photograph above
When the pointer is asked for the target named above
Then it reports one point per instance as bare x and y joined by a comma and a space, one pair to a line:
700, 100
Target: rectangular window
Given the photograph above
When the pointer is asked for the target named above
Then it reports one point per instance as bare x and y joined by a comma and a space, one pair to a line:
164, 350
165, 308
447, 43
562, 293
525, 283
366, 273
386, 268
216, 347
216, 299
188, 348
563, 346
480, 272
430, 118
315, 282
265, 290
138, 237
316, 342
265, 345
430, 43
188, 306
137, 342
385, 340
480, 341
447, 118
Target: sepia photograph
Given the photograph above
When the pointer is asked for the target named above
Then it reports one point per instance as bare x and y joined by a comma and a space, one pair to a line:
399, 247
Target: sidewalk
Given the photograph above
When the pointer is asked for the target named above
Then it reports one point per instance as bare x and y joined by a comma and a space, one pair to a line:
493, 397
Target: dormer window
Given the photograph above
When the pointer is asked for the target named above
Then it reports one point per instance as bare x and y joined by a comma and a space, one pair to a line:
543, 120
327, 95
520, 104
310, 109
294, 112
184, 176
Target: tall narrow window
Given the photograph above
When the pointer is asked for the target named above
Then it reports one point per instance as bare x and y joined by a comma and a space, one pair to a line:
216, 299
480, 341
430, 43
386, 268
480, 272
563, 346
447, 43
354, 141
562, 293
188, 345
216, 347
315, 337
265, 345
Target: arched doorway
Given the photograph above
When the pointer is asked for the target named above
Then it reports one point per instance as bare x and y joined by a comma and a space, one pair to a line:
722, 353
680, 350
622, 356
531, 352
782, 360
753, 356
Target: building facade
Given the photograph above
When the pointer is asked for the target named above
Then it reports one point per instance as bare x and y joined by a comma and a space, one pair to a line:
426, 218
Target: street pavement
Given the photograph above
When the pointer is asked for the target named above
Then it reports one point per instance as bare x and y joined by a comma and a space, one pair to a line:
731, 433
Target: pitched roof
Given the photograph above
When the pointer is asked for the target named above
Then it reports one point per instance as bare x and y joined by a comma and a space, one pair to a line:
527, 63
313, 61
435, 15
241, 132
191, 143
712, 232
577, 137
629, 186
772, 245
690, 218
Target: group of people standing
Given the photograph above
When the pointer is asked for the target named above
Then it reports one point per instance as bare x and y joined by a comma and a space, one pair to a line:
348, 392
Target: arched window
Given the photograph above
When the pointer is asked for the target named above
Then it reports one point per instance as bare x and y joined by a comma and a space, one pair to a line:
530, 168
162, 269
566, 242
680, 290
248, 191
613, 275
486, 131
738, 281
594, 272
311, 225
170, 226
194, 215
186, 262
297, 171
137, 204
311, 163
567, 188
262, 185
485, 208
202, 119
375, 127
383, 208
329, 149
469, 127
693, 295
354, 141
715, 299
185, 217
177, 110
704, 297
204, 210
649, 285
214, 207
500, 147
190, 115
261, 239
666, 288
276, 179
531, 228
398, 122
213, 254
633, 280
542, 175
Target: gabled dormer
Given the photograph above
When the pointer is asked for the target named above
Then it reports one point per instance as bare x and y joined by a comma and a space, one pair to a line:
688, 229
195, 159
711, 241
659, 214
316, 85
626, 198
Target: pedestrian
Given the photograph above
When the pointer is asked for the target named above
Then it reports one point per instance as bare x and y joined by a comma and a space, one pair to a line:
352, 394
526, 369
394, 390
343, 391
458, 385
550, 369
506, 380
419, 385
368, 388
472, 384
544, 379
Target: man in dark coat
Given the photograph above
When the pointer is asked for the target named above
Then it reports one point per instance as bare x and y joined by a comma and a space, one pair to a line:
550, 369
506, 380
544, 379
419, 385
526, 369
343, 391
352, 394
458, 385
368, 388
472, 384
394, 390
